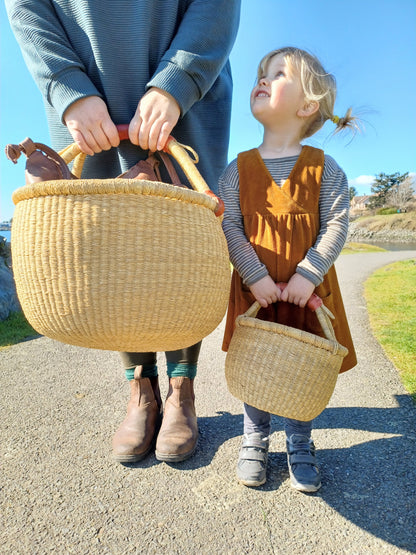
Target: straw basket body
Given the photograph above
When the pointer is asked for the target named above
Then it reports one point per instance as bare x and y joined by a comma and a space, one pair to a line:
282, 370
119, 264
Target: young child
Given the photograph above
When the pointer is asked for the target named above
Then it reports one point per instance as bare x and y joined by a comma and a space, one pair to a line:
286, 220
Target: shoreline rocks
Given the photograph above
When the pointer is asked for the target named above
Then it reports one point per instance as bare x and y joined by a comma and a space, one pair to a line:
8, 298
358, 233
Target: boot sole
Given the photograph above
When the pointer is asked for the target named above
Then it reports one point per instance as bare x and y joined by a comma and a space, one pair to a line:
131, 458
167, 457
140, 456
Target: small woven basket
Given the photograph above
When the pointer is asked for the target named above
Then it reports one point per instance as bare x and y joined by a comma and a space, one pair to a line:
120, 264
283, 370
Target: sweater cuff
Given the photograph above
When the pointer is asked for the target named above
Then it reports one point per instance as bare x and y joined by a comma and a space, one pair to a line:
257, 276
68, 87
313, 278
174, 80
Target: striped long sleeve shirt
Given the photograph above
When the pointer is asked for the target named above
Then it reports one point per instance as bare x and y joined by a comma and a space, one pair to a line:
333, 210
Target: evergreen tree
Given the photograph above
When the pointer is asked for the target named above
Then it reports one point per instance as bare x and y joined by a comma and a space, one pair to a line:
353, 193
383, 184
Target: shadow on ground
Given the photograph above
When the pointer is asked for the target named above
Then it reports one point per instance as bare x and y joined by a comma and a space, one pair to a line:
371, 483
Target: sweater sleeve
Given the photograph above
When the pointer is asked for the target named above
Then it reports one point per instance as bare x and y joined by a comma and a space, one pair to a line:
55, 67
242, 254
199, 50
333, 209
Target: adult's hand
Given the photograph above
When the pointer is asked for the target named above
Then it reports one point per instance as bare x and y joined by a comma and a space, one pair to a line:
156, 115
90, 125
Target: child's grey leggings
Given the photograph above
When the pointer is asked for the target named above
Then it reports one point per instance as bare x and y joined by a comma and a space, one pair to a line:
256, 420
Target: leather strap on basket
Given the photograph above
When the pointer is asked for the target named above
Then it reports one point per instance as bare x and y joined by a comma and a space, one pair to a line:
149, 169
43, 163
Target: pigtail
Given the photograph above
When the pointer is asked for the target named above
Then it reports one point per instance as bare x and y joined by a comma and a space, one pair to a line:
348, 122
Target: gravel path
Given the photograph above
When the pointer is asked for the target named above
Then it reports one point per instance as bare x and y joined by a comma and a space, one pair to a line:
62, 493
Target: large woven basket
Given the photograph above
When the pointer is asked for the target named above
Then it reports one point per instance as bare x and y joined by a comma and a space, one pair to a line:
283, 370
121, 264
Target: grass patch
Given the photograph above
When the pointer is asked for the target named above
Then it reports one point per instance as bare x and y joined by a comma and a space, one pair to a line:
354, 248
391, 302
15, 329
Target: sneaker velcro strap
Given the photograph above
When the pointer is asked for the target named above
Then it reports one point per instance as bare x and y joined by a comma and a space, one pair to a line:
301, 447
247, 454
257, 443
302, 458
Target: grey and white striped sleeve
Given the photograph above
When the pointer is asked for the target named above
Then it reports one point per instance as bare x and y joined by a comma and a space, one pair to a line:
242, 255
334, 209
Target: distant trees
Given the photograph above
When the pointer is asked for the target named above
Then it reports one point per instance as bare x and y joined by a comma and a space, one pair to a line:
353, 193
400, 195
391, 189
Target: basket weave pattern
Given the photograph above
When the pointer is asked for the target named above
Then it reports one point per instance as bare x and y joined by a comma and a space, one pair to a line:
282, 370
119, 264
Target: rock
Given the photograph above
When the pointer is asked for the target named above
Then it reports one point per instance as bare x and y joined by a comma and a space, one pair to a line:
8, 298
356, 232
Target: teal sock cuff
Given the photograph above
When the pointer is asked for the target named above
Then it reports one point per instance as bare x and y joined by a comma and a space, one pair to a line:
149, 371
129, 373
178, 369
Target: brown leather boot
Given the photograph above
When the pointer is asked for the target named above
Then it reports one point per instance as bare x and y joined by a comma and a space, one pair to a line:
178, 434
135, 436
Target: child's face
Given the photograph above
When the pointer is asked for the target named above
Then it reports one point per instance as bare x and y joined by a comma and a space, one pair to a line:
278, 94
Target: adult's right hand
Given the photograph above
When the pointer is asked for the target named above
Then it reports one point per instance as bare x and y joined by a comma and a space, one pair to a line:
90, 125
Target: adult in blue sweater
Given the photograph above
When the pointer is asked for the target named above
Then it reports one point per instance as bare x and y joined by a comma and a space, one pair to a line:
157, 65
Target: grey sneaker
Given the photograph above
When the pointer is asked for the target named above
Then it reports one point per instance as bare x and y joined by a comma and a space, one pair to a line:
303, 468
252, 460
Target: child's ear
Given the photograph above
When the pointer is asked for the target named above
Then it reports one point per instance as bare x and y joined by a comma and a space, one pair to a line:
309, 108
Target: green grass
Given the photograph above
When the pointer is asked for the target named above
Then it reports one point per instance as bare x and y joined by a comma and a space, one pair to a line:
391, 301
15, 329
353, 248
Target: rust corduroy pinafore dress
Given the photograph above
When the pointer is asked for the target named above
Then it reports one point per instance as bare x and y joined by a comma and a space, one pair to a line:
282, 223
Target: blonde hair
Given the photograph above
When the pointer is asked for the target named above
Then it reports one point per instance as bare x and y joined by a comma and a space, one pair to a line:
318, 85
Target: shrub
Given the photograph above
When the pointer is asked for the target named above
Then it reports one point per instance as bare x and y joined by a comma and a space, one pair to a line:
385, 211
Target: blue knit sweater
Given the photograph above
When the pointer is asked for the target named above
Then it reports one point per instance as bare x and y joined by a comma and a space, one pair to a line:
117, 49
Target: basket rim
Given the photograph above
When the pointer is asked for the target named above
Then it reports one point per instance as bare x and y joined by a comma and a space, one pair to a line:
114, 186
275, 328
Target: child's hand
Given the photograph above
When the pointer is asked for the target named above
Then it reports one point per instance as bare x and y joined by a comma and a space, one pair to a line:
298, 290
265, 291
155, 117
90, 125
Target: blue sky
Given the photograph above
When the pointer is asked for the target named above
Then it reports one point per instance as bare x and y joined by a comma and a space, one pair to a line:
369, 45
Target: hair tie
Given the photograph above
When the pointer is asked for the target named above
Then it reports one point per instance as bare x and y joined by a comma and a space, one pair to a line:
335, 119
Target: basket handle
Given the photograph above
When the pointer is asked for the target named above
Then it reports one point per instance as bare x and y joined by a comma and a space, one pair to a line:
177, 150
315, 304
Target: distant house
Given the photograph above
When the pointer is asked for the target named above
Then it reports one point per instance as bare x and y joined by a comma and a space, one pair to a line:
358, 204
5, 226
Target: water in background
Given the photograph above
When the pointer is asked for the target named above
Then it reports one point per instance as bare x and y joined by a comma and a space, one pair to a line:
395, 246
387, 246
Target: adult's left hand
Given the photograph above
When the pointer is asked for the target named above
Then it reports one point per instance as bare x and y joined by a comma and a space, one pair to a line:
156, 115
